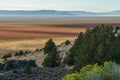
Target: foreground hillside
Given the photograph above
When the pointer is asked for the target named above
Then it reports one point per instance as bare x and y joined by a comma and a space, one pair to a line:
39, 55
14, 66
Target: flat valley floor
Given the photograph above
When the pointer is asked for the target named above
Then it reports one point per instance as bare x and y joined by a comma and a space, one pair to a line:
16, 36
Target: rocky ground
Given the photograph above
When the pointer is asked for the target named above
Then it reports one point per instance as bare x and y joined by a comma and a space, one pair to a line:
14, 70
37, 73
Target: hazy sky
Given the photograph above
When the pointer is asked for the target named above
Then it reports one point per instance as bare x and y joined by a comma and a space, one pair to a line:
83, 5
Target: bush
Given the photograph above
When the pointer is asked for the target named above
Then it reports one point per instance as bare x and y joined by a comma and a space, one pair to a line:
20, 53
94, 72
7, 56
27, 69
67, 42
16, 54
26, 52
52, 59
68, 60
36, 50
49, 46
4, 57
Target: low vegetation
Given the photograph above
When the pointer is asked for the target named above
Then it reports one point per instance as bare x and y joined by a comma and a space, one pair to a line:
36, 50
27, 69
67, 42
109, 71
20, 53
7, 56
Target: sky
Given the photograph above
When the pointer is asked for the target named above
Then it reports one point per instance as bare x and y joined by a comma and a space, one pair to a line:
66, 5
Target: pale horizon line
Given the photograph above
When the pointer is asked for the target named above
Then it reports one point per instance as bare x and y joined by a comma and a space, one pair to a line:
53, 10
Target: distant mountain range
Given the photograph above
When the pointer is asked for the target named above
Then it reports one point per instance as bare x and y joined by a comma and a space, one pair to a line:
55, 12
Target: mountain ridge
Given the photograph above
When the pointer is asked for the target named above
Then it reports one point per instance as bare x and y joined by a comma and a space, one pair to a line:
55, 12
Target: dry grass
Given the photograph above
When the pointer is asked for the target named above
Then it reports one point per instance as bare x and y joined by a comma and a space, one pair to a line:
28, 44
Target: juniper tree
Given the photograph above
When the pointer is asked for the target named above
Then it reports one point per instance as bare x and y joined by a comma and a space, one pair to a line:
49, 46
53, 59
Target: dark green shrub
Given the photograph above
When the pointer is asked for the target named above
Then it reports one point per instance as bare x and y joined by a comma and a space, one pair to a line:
20, 53
27, 69
7, 56
36, 50
16, 54
67, 42
69, 60
52, 59
4, 57
26, 52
